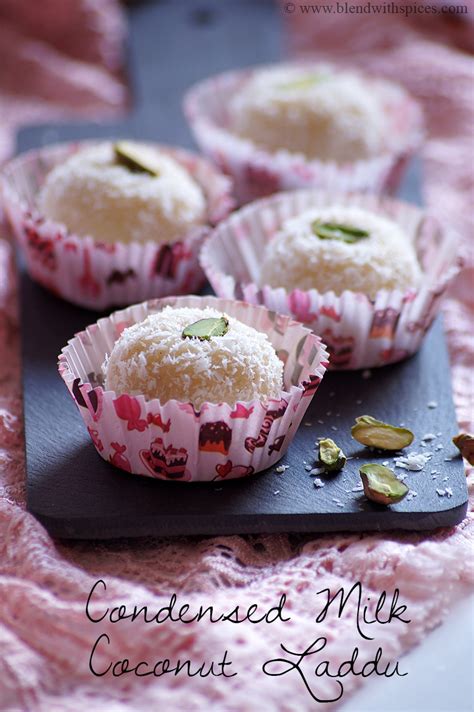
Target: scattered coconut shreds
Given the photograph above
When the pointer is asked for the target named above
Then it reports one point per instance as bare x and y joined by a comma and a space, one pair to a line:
411, 495
423, 444
432, 404
316, 471
308, 468
321, 422
281, 469
448, 492
434, 472
386, 463
358, 488
333, 427
358, 402
329, 412
438, 435
367, 373
428, 437
439, 446
318, 483
309, 425
276, 492
413, 461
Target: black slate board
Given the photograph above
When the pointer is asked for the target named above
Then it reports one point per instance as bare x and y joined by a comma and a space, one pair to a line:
75, 494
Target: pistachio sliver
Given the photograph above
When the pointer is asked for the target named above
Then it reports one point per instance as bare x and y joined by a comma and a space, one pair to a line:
304, 82
465, 444
375, 433
136, 157
331, 456
381, 485
336, 231
205, 329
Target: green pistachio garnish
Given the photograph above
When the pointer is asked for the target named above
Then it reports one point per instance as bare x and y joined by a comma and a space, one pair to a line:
381, 485
304, 82
205, 329
331, 456
135, 157
336, 231
374, 433
465, 444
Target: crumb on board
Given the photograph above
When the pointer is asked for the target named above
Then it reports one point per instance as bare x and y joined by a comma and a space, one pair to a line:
428, 436
281, 469
413, 461
318, 483
447, 492
432, 404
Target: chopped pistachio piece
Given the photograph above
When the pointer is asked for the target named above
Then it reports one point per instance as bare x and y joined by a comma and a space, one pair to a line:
205, 329
465, 444
336, 231
304, 82
381, 485
136, 157
374, 433
331, 456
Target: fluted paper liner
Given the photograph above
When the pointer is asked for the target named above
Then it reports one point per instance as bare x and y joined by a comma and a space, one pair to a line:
257, 172
173, 441
359, 332
99, 275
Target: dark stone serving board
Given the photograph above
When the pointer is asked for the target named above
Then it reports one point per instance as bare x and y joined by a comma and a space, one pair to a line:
75, 494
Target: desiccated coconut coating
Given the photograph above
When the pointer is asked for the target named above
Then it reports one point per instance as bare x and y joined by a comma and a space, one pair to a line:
297, 259
152, 358
316, 111
92, 194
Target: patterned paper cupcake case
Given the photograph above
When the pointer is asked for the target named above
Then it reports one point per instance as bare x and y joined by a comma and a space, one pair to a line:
96, 275
257, 173
359, 332
172, 441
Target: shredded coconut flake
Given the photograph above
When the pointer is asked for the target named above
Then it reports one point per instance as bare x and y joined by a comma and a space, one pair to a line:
413, 461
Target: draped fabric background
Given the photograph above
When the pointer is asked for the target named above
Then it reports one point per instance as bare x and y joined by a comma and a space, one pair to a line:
45, 637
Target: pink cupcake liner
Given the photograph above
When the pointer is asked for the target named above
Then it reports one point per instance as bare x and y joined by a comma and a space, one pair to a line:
173, 441
96, 275
257, 173
359, 332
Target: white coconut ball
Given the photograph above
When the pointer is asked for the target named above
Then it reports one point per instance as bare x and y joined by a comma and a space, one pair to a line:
154, 359
296, 258
314, 110
93, 194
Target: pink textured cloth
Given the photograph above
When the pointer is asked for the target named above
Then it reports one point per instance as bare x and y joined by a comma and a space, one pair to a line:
45, 637
58, 59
